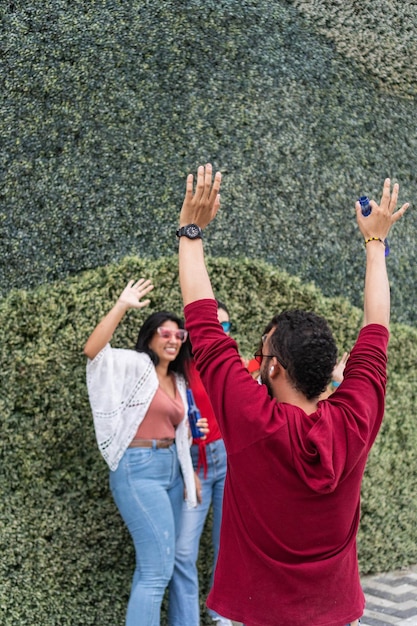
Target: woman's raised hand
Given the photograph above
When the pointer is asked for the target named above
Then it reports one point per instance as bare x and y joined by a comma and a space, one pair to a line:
131, 297
132, 294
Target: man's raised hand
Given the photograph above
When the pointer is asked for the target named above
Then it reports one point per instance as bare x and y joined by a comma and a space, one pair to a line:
200, 206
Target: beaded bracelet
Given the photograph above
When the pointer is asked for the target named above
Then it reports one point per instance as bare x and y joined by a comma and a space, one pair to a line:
375, 239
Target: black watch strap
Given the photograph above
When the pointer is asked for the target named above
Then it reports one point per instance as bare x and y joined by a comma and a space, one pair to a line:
192, 231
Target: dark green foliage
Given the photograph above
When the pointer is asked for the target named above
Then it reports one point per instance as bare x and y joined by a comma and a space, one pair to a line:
379, 35
66, 555
107, 105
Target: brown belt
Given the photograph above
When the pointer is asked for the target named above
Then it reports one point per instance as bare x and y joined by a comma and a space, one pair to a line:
148, 443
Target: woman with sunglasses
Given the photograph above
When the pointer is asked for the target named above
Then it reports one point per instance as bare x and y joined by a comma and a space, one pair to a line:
138, 400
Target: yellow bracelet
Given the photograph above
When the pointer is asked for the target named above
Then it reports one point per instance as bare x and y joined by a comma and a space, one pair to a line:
375, 239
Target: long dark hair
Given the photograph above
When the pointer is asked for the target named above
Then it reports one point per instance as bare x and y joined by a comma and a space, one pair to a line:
148, 330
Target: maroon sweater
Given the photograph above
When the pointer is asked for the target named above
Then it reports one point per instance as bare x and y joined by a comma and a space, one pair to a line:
292, 495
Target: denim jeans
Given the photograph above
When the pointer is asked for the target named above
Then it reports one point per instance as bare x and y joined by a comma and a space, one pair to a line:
184, 607
148, 490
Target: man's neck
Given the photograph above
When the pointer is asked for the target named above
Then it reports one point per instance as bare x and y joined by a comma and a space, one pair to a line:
289, 395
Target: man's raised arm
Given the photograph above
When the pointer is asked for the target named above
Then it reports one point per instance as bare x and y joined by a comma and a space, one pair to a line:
375, 228
198, 210
201, 205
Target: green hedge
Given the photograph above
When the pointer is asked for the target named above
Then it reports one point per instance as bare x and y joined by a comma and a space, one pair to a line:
107, 105
378, 35
66, 556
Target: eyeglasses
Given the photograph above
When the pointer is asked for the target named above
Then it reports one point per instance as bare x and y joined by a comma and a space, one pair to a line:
226, 326
260, 355
167, 333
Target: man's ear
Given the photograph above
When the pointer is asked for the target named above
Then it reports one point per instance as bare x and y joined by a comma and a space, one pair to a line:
275, 367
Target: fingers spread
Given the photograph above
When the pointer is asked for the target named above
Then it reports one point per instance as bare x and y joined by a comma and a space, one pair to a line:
214, 194
200, 182
207, 179
394, 197
398, 214
189, 185
386, 194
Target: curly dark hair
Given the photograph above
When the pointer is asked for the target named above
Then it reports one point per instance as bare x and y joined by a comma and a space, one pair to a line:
147, 331
304, 343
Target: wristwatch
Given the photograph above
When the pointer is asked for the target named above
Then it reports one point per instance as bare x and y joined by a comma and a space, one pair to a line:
192, 231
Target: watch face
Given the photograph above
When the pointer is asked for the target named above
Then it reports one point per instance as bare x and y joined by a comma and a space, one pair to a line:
192, 231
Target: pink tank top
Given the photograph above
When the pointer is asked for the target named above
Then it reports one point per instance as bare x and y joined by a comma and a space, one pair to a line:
163, 415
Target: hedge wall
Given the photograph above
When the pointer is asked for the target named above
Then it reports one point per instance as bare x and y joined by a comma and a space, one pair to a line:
106, 105
66, 556
379, 35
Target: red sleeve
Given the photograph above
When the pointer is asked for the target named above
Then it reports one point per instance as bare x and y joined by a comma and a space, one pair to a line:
237, 399
362, 392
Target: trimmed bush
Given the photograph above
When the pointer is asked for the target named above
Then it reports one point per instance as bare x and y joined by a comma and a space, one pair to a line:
66, 555
106, 106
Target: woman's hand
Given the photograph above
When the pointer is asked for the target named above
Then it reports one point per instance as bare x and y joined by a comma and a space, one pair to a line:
339, 368
202, 424
337, 376
129, 298
132, 294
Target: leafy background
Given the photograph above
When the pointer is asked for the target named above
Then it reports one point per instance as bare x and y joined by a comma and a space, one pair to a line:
67, 557
105, 107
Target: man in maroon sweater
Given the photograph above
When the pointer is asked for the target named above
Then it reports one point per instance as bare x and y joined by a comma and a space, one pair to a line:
295, 464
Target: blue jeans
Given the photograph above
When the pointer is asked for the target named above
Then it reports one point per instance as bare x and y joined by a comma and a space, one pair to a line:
148, 490
184, 609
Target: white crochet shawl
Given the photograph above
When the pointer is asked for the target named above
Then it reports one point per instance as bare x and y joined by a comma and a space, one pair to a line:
121, 385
